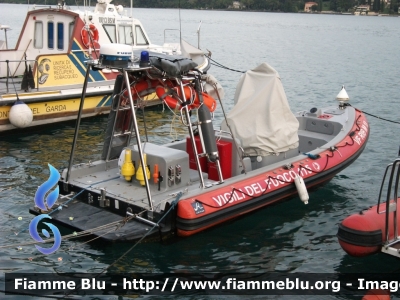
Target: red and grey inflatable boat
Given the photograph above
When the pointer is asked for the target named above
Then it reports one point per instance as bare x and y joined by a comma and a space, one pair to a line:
260, 154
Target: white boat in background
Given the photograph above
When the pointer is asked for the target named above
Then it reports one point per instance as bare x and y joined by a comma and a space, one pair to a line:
46, 69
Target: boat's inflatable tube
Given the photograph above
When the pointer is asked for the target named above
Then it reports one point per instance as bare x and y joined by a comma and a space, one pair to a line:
215, 206
377, 294
20, 114
90, 37
363, 234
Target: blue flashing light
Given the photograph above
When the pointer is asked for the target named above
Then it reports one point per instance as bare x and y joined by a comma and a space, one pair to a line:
144, 58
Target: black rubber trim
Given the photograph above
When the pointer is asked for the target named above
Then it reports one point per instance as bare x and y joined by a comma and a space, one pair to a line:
360, 238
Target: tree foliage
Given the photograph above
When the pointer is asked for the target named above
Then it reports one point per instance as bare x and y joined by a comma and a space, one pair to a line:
258, 5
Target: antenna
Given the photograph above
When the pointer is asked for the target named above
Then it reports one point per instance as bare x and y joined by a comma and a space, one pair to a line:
180, 23
198, 36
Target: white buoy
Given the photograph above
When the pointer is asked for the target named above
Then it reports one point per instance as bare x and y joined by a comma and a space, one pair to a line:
301, 189
20, 114
342, 96
120, 9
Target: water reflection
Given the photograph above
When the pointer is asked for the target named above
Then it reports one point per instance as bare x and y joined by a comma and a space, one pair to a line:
315, 56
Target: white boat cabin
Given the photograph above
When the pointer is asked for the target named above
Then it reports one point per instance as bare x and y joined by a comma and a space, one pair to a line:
50, 31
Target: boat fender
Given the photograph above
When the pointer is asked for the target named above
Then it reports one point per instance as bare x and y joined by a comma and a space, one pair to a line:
207, 132
301, 188
93, 38
20, 114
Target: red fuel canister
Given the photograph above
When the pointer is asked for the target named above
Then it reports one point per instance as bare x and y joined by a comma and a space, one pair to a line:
225, 160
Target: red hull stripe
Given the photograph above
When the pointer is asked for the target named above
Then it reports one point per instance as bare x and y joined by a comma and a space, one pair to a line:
228, 202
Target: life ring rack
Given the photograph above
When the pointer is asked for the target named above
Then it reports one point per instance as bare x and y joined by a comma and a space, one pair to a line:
191, 96
169, 94
90, 36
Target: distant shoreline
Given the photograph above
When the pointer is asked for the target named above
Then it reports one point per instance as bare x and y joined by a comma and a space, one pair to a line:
371, 14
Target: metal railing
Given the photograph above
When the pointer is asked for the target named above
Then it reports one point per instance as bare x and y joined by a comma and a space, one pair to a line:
10, 77
391, 202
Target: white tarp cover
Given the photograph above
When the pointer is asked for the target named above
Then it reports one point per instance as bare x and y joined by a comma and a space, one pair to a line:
261, 118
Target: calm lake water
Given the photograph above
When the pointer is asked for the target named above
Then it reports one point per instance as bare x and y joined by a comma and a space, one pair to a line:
315, 55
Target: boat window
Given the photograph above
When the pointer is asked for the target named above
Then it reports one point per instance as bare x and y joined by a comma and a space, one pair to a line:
140, 36
71, 29
110, 30
38, 35
125, 35
50, 35
60, 36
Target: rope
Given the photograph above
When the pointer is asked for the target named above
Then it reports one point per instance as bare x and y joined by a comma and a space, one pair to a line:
217, 64
173, 204
383, 119
59, 208
364, 112
123, 222
75, 235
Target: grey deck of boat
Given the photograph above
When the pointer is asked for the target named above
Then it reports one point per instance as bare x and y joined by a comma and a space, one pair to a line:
131, 192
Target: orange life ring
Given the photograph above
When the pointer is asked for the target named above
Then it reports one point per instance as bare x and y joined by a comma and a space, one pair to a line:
208, 101
139, 89
189, 94
90, 37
